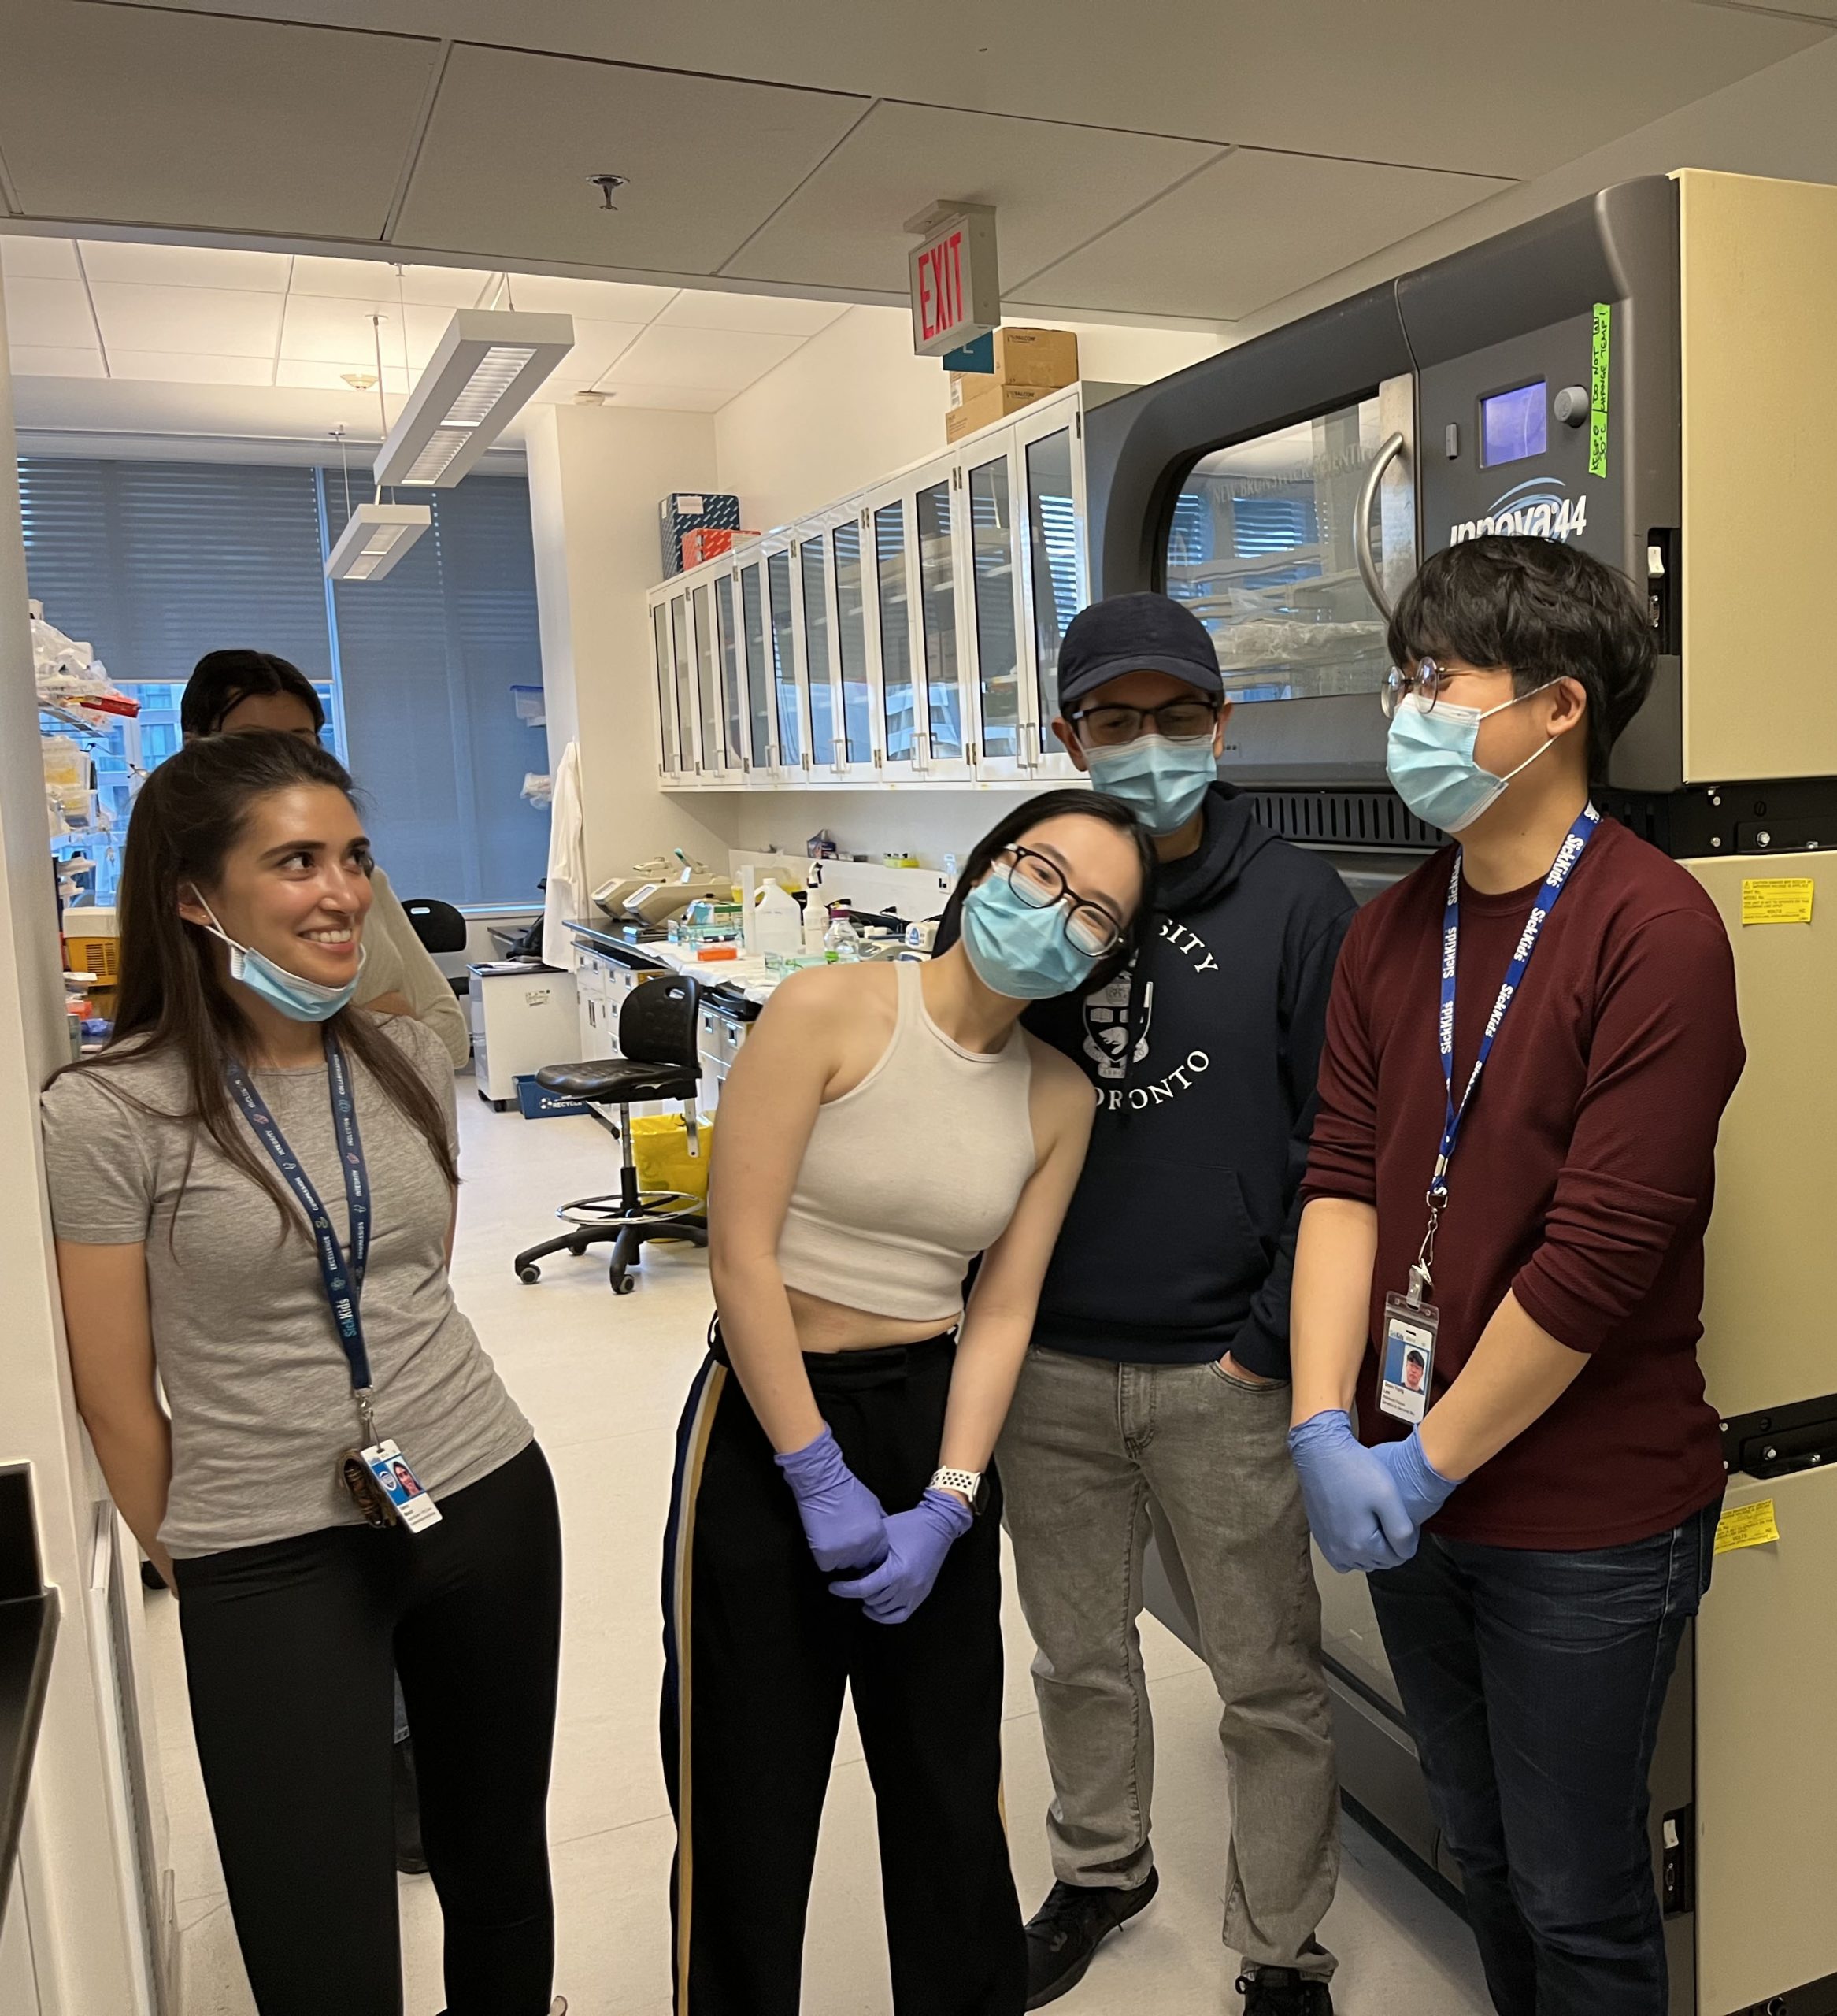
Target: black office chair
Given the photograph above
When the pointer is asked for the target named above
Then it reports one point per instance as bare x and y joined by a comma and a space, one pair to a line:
657, 1033
439, 927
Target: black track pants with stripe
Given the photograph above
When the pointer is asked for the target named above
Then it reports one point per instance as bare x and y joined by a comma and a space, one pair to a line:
758, 1653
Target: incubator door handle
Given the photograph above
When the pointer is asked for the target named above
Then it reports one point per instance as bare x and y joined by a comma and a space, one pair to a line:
1361, 528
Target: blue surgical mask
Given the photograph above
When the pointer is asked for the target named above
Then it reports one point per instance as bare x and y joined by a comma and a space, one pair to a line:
1429, 755
299, 1000
1018, 951
1162, 782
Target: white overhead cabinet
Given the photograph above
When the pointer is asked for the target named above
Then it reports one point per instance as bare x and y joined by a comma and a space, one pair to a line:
907, 635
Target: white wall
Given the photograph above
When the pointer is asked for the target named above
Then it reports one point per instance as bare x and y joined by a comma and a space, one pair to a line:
854, 404
595, 476
78, 1938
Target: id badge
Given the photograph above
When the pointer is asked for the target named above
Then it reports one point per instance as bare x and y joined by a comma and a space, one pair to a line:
1410, 1358
403, 1491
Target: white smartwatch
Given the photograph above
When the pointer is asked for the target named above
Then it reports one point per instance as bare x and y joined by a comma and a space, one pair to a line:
968, 1482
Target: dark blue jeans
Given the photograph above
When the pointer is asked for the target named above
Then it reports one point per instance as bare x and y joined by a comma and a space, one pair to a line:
1533, 1683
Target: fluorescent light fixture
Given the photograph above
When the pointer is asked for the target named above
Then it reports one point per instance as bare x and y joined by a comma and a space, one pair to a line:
377, 537
482, 372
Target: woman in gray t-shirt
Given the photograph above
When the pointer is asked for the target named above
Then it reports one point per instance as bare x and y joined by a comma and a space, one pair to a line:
252, 1192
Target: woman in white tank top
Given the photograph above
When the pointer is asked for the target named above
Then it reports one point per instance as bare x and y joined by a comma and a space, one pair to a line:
834, 1522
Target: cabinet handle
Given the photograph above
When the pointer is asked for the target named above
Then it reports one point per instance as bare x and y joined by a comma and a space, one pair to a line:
1361, 525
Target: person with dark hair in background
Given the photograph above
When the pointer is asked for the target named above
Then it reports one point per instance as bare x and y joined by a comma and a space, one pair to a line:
835, 1520
230, 693
252, 1188
1531, 1041
1153, 1394
240, 692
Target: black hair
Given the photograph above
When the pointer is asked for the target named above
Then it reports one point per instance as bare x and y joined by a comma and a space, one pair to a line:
1544, 611
221, 681
1013, 826
1413, 1356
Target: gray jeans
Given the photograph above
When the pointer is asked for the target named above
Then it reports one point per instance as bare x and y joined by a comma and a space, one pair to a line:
1093, 1451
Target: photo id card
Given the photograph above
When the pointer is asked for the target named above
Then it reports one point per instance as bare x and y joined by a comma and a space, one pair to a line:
412, 1505
1410, 1358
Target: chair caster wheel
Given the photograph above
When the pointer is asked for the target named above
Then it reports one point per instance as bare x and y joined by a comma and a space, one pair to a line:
623, 1284
577, 1247
529, 1276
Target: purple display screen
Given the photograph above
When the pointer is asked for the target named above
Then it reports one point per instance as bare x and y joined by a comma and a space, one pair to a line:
1512, 425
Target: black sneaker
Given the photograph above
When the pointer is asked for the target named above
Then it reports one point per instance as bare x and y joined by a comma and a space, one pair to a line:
1068, 1929
1284, 1991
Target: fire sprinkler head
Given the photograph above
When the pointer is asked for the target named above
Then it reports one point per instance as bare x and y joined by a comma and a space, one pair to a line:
606, 184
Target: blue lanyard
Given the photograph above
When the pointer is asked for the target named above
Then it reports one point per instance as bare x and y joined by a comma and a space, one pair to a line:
1554, 883
344, 1284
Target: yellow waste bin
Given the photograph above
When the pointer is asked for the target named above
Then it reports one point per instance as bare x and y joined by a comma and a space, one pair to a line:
659, 1142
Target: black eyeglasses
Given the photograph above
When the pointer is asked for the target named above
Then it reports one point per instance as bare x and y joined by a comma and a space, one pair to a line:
1039, 883
1180, 720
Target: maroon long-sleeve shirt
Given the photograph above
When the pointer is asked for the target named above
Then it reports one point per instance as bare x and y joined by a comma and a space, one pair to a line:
1582, 1180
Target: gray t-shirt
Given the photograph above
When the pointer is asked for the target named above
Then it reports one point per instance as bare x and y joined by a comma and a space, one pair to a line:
257, 1384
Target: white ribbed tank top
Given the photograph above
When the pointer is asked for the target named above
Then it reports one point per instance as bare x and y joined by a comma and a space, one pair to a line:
912, 1174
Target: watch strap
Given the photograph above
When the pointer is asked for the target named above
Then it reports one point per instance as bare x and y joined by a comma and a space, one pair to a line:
968, 1482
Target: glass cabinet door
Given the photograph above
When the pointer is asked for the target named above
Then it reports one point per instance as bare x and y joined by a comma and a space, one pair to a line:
814, 586
784, 663
685, 684
666, 717
758, 685
1055, 563
894, 597
733, 686
707, 682
851, 638
937, 555
995, 610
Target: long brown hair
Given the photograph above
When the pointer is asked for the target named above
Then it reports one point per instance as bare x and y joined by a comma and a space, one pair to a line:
174, 996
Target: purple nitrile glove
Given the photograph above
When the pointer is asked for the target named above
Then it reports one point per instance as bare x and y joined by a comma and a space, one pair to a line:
1353, 1506
1423, 1488
843, 1519
916, 1543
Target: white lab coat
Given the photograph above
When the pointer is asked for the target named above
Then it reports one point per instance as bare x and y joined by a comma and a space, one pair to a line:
566, 897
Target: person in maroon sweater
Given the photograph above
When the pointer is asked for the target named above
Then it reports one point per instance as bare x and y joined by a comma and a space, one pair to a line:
1537, 1502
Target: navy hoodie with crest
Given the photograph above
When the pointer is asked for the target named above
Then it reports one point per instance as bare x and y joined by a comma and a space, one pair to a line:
1179, 1244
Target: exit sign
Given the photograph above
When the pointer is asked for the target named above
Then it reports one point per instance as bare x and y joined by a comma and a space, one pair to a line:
956, 289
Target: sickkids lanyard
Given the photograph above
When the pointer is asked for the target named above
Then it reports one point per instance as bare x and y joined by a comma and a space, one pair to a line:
390, 1490
1412, 1320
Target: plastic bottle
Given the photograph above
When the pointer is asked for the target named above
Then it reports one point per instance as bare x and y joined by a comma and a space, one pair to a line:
842, 942
776, 926
815, 923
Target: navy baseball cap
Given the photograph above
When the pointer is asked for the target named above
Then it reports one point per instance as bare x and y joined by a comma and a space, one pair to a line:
1136, 633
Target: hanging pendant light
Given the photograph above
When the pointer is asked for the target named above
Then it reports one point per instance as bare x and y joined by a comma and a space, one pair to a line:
482, 374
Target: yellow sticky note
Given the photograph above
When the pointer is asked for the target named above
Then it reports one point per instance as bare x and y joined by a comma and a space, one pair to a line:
1747, 1526
1777, 899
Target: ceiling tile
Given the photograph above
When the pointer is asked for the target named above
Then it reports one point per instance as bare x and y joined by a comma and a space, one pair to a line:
668, 398
50, 312
515, 135
189, 368
319, 329
601, 301
184, 265
365, 279
330, 377
1248, 231
598, 347
41, 361
38, 258
710, 360
220, 321
1053, 187
767, 314
207, 122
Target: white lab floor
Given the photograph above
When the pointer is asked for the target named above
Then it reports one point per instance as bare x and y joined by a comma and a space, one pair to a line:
603, 1378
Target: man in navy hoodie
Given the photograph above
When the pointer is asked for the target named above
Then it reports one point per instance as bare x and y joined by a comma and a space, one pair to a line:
1157, 1389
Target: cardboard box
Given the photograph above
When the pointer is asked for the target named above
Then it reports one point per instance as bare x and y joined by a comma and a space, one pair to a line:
994, 401
1047, 358
709, 543
693, 510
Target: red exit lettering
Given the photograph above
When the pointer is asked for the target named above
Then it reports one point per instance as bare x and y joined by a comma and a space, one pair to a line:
940, 274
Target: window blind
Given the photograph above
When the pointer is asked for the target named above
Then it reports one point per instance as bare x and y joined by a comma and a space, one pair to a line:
156, 563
